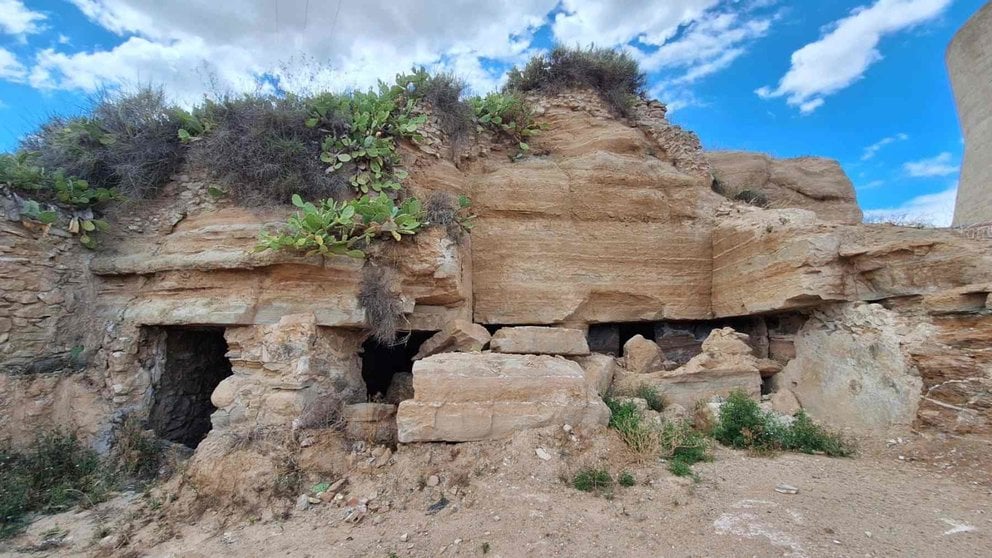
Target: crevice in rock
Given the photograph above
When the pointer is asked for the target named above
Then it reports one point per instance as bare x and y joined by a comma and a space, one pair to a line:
381, 363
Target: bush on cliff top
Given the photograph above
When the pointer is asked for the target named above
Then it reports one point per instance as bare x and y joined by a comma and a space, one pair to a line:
128, 143
613, 74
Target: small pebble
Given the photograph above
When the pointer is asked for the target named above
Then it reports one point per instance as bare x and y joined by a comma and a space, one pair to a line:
786, 489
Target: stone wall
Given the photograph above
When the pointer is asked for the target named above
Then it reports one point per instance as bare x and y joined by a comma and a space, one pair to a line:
969, 62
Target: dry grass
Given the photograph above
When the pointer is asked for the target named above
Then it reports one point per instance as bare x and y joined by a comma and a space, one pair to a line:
379, 296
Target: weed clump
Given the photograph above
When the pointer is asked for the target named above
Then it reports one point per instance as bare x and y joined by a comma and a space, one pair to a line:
613, 74
56, 474
261, 150
626, 479
129, 143
443, 92
752, 197
590, 479
383, 309
743, 425
625, 418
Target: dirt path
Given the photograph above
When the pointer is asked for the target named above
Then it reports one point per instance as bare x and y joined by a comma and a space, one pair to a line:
516, 505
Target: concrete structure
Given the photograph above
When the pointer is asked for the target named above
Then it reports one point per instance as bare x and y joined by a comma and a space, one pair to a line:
969, 62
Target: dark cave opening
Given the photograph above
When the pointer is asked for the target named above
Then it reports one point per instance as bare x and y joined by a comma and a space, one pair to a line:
194, 364
380, 362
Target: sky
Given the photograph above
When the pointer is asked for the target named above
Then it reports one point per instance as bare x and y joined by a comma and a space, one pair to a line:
860, 81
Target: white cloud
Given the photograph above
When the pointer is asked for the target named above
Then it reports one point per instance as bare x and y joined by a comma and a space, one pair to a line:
930, 209
874, 148
191, 46
615, 23
844, 53
17, 19
10, 68
941, 165
197, 46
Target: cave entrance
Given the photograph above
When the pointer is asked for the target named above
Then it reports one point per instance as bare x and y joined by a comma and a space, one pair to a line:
194, 363
381, 363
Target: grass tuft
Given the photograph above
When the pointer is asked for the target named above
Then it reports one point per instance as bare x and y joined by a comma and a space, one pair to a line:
590, 479
626, 479
613, 74
381, 302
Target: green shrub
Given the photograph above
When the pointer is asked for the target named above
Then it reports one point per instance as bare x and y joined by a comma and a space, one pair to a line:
129, 142
443, 92
613, 74
742, 424
136, 453
626, 479
808, 437
650, 393
680, 468
345, 228
590, 479
377, 119
679, 441
507, 114
57, 473
260, 148
626, 420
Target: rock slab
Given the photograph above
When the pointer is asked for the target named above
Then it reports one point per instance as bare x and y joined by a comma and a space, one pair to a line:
540, 341
479, 396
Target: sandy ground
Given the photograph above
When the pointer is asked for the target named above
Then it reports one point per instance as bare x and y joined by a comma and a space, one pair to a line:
921, 497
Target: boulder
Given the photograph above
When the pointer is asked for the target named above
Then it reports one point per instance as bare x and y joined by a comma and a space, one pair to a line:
478, 396
540, 341
599, 370
460, 336
784, 401
641, 355
814, 183
852, 368
725, 365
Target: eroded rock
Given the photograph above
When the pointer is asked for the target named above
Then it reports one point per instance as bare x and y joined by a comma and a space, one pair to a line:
459, 336
641, 355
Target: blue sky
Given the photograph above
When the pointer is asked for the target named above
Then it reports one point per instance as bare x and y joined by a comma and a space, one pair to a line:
861, 81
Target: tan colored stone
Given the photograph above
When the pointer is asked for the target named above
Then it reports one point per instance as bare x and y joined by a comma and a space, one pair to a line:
725, 365
476, 396
540, 341
459, 336
641, 355
769, 260
784, 401
812, 183
599, 370
852, 368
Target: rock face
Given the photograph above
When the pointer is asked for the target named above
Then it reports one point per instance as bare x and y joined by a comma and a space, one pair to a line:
812, 183
599, 371
852, 368
540, 341
784, 259
575, 236
373, 423
725, 365
478, 396
459, 336
641, 355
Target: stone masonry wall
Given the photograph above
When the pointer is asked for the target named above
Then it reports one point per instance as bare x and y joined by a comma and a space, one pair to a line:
969, 62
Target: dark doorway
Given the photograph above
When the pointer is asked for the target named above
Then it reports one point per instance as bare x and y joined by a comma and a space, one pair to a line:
381, 362
194, 364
